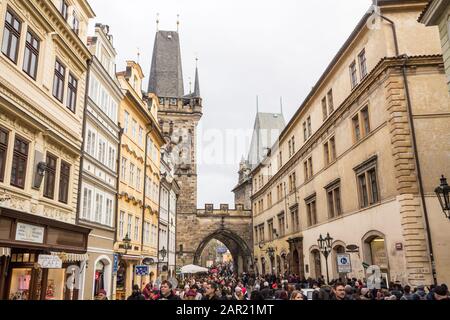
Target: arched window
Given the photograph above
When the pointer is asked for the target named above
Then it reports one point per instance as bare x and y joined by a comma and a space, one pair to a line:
99, 277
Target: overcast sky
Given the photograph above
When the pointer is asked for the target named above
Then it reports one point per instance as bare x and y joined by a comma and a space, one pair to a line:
245, 48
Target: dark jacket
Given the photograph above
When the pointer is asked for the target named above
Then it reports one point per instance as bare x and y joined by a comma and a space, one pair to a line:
214, 297
169, 297
136, 296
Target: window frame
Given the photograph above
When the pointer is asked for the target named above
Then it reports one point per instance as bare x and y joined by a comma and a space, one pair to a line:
3, 153
353, 74
72, 93
334, 199
363, 175
59, 80
64, 177
49, 189
20, 156
32, 51
13, 32
363, 64
64, 10
311, 203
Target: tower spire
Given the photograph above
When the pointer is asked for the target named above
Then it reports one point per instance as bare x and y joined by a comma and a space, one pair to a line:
257, 104
197, 80
281, 105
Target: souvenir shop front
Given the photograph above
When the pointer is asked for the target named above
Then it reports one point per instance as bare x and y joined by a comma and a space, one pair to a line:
40, 259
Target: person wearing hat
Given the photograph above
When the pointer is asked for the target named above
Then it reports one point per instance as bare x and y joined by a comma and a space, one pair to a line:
238, 295
102, 295
365, 294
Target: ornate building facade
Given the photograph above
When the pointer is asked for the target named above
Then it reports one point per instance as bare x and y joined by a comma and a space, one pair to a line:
357, 160
43, 64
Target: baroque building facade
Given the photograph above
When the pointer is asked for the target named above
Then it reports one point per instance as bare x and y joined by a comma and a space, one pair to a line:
138, 206
42, 89
357, 160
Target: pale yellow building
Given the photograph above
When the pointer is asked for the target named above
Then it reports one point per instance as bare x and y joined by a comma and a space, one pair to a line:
42, 88
137, 215
348, 161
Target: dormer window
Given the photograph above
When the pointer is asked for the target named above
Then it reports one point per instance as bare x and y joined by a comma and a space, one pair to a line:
64, 9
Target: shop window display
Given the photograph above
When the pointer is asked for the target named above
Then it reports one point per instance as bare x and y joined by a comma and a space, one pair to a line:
20, 284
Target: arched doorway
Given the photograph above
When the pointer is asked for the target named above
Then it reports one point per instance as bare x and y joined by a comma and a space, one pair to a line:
295, 263
239, 252
337, 249
99, 278
375, 251
316, 264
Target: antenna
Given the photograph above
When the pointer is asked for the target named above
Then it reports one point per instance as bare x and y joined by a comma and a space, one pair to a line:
157, 22
257, 104
281, 104
178, 22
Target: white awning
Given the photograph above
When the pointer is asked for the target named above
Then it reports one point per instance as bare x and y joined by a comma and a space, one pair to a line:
71, 257
5, 252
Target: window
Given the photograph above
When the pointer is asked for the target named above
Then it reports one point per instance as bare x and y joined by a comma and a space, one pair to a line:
138, 178
72, 93
361, 124
141, 133
291, 146
324, 109
109, 210
121, 224
4, 136
309, 127
262, 233
280, 160
98, 207
330, 102
124, 168
365, 119
305, 132
30, 60
281, 225
334, 199
64, 9
356, 128
90, 143
271, 231
292, 183
133, 128
58, 81
111, 158
146, 232
11, 36
136, 228
308, 169
363, 64
50, 177
295, 222
132, 174
75, 24
64, 179
368, 183
126, 120
101, 150
87, 203
130, 219
311, 211
19, 164
330, 151
353, 75
256, 235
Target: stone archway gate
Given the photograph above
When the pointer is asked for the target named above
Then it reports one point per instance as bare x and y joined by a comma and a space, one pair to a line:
232, 227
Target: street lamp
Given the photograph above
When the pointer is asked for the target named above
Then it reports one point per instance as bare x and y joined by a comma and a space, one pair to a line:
325, 245
442, 193
127, 243
163, 253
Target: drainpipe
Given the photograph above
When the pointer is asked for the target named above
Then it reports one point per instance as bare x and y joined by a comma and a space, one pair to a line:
414, 147
145, 182
80, 175
118, 166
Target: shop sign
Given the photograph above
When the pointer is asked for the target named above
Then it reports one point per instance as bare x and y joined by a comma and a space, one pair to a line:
142, 270
49, 262
344, 263
29, 233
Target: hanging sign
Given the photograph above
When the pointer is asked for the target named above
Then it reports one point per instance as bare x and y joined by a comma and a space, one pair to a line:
49, 262
142, 271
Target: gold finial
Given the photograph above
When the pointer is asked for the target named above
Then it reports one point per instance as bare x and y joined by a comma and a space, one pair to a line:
178, 22
138, 55
157, 22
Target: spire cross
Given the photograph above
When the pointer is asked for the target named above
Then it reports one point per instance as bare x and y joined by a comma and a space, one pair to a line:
178, 22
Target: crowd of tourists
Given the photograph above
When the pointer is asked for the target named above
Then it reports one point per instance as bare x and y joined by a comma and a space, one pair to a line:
222, 284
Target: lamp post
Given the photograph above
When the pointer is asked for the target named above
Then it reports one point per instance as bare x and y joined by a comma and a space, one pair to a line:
126, 243
163, 254
325, 245
443, 192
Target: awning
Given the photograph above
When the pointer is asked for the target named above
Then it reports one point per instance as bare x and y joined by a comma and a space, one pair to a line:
71, 257
5, 252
